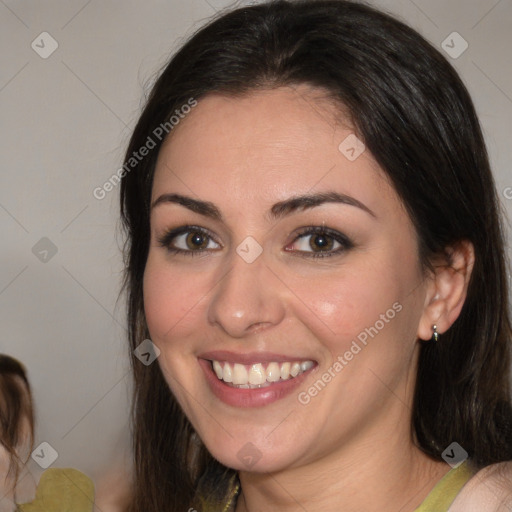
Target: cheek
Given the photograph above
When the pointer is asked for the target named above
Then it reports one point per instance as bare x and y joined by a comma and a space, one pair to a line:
343, 305
171, 298
171, 304
367, 299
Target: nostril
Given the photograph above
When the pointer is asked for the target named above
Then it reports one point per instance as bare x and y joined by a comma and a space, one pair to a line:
258, 326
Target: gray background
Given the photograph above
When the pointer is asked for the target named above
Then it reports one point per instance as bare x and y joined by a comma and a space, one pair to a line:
65, 122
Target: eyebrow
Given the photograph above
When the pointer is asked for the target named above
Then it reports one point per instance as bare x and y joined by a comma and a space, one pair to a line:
205, 208
304, 202
278, 210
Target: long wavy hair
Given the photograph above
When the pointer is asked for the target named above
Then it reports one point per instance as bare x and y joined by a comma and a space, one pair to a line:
417, 119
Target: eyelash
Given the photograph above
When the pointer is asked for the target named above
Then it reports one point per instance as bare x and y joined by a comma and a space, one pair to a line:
343, 240
167, 238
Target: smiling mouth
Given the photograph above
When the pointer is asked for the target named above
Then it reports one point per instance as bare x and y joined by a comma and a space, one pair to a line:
258, 375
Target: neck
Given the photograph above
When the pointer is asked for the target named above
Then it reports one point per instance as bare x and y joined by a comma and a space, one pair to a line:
383, 475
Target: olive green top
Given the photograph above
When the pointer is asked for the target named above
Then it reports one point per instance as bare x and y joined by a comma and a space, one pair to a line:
444, 493
62, 490
439, 499
69, 490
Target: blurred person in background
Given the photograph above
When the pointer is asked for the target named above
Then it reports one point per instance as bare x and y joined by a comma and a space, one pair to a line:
59, 489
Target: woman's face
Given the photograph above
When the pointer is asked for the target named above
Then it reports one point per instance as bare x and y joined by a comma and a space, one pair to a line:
276, 241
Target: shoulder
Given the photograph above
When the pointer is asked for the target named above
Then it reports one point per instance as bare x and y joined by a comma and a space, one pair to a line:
489, 490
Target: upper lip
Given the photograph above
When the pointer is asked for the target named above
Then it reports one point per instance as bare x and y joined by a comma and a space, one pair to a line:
249, 357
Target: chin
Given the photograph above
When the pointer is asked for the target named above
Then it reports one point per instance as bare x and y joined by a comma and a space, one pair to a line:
254, 453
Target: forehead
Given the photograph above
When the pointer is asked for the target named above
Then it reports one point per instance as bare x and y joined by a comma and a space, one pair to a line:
267, 145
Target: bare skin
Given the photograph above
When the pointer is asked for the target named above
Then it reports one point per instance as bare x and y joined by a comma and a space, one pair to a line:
350, 446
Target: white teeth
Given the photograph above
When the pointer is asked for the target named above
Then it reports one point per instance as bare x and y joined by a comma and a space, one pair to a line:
273, 372
295, 369
306, 365
256, 375
217, 367
228, 373
285, 371
240, 375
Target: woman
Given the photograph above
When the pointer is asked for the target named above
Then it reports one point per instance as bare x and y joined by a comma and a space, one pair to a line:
315, 252
59, 489
16, 427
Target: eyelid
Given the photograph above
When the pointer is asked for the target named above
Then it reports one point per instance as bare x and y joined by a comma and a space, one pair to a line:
169, 235
341, 238
345, 243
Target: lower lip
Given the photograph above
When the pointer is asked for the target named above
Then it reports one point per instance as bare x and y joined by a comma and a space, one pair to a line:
256, 397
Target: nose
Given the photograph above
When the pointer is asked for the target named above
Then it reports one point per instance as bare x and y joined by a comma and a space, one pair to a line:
248, 298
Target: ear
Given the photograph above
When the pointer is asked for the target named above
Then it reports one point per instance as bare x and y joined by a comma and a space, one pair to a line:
447, 289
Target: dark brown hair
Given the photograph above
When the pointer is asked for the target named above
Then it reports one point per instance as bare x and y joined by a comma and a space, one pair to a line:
416, 117
15, 405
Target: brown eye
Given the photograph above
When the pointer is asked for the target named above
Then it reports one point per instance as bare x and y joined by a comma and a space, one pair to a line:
321, 242
188, 240
196, 240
